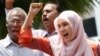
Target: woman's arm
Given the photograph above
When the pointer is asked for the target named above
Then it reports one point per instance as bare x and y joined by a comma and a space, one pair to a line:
26, 39
39, 43
33, 10
25, 33
43, 45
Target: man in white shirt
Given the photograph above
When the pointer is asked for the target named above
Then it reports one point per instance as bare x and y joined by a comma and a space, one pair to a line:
10, 46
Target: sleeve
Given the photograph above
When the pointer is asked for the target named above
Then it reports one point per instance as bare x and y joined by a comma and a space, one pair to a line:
93, 45
26, 39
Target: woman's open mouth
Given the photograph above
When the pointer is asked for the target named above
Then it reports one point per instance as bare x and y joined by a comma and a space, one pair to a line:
66, 34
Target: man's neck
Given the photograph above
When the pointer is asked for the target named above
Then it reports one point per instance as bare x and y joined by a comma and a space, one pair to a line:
50, 32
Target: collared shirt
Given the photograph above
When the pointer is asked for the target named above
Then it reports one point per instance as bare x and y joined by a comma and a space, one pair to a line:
42, 33
8, 48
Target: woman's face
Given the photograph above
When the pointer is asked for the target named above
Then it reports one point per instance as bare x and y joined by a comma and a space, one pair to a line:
65, 29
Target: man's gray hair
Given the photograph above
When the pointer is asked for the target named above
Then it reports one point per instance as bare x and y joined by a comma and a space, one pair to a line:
18, 9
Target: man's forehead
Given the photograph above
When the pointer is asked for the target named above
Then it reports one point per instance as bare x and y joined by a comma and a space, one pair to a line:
50, 6
15, 14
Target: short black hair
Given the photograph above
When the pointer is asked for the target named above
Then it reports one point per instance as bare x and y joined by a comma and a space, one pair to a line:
58, 6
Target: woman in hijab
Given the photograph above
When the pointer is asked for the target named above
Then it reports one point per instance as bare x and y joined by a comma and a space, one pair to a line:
71, 39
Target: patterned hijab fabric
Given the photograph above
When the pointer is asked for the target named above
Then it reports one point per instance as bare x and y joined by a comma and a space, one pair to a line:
79, 45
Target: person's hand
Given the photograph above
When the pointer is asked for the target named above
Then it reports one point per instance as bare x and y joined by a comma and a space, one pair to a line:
35, 8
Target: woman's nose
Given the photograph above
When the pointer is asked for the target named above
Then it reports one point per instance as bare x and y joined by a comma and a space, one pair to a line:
62, 29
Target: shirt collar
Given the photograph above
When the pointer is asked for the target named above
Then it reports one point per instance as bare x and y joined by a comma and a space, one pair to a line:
7, 41
48, 35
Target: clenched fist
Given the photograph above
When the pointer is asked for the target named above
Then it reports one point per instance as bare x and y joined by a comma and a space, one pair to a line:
35, 8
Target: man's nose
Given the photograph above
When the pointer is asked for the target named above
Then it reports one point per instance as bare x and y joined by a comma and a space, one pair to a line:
15, 23
45, 13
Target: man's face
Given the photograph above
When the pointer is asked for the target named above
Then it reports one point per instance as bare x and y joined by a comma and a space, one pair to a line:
48, 16
14, 24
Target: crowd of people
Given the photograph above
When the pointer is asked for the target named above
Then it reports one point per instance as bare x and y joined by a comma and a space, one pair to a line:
63, 33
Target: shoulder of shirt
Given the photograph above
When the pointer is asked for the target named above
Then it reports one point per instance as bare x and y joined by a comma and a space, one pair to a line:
6, 41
